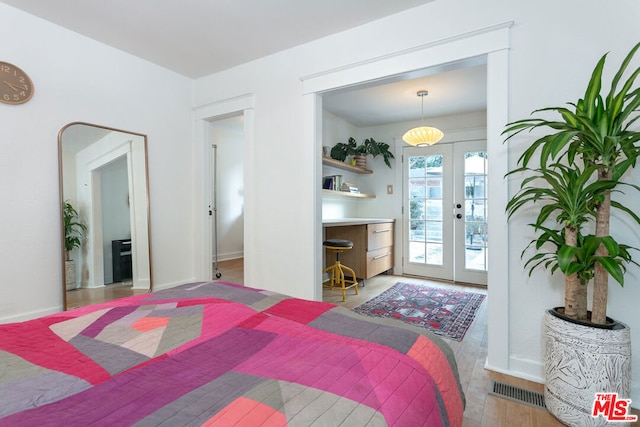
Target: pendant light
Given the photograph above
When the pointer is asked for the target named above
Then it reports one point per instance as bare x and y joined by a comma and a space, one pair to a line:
422, 136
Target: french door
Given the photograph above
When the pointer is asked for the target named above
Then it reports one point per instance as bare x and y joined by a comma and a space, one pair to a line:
445, 211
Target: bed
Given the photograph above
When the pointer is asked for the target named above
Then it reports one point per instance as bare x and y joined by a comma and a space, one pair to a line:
220, 354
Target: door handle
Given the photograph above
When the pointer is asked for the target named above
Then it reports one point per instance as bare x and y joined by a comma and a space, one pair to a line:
381, 256
382, 231
458, 216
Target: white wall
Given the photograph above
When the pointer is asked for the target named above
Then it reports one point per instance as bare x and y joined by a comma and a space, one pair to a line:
553, 48
334, 130
77, 79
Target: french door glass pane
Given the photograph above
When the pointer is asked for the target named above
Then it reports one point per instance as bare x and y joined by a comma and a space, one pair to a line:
475, 258
426, 209
475, 179
474, 210
416, 231
434, 254
417, 188
417, 252
433, 210
416, 209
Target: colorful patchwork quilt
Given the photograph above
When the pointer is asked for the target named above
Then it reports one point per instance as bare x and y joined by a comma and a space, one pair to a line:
220, 354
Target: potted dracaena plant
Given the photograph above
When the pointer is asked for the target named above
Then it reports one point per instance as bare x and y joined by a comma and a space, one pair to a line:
342, 150
73, 233
581, 163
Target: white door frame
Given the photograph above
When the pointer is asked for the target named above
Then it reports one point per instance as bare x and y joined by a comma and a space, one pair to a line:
492, 43
204, 115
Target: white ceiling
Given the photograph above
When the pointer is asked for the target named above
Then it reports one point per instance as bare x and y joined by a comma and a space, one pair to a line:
453, 89
199, 37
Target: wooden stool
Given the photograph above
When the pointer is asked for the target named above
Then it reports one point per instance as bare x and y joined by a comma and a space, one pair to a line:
336, 277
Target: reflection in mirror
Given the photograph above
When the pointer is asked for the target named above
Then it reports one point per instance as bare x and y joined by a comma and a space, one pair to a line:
104, 195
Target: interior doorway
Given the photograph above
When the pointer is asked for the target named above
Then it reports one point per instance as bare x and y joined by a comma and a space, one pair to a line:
492, 43
227, 190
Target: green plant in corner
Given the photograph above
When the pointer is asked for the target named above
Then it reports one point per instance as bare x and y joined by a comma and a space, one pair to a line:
73, 229
597, 131
342, 150
569, 195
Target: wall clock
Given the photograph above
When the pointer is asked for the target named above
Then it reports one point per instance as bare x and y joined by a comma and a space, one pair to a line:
15, 85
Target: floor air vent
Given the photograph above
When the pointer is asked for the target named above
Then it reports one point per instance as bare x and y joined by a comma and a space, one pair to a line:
517, 394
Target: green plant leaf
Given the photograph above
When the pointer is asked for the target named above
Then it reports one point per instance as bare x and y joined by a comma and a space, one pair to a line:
613, 268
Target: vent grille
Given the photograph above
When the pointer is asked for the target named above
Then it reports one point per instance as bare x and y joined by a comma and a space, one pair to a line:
517, 394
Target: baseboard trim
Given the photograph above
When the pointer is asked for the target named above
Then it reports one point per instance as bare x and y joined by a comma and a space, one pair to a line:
30, 315
163, 286
516, 374
229, 256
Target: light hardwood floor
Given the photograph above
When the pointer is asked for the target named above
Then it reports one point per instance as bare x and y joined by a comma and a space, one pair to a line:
482, 409
83, 296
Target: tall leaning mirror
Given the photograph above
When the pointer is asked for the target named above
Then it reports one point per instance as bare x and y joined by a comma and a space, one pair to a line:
104, 198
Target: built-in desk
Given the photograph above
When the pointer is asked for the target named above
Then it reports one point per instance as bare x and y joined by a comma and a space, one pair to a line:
372, 239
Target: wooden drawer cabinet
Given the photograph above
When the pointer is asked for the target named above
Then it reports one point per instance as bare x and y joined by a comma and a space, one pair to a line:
379, 261
372, 251
379, 236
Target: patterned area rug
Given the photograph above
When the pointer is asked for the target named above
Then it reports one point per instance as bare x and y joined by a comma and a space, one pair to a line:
443, 311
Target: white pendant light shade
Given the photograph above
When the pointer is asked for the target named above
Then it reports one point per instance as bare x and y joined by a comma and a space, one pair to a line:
423, 135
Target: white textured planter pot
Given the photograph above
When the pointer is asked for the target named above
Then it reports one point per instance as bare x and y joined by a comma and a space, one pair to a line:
580, 361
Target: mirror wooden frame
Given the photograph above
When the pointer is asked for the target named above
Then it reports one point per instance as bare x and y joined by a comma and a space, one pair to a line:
140, 264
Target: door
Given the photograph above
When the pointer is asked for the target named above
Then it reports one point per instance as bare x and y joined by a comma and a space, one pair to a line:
445, 212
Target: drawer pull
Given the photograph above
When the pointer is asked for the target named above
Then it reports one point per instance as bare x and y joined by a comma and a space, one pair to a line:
382, 231
381, 256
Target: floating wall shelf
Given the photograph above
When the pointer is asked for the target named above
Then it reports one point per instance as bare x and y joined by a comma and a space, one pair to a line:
328, 161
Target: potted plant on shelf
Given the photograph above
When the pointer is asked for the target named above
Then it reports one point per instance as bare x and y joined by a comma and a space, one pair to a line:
581, 162
73, 233
342, 150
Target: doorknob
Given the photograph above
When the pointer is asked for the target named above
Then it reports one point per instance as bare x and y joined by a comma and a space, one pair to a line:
458, 205
458, 216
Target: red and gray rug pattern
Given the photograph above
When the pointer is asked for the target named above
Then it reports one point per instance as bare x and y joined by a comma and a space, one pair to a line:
445, 312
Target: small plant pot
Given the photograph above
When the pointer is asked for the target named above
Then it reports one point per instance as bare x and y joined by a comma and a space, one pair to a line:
361, 161
581, 360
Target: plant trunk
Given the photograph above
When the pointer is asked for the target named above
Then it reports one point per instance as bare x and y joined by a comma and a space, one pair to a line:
581, 302
571, 282
601, 276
